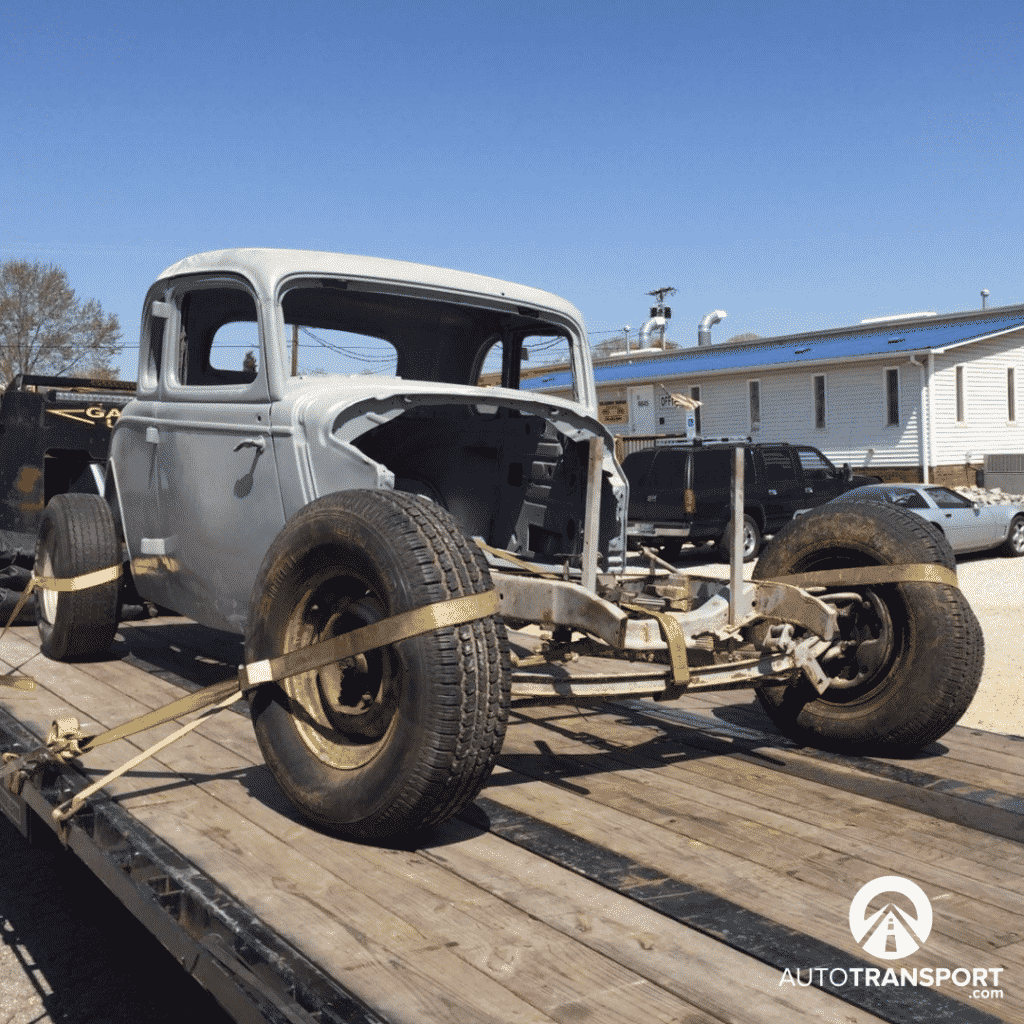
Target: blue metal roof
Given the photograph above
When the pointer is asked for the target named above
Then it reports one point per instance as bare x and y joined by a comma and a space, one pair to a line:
887, 339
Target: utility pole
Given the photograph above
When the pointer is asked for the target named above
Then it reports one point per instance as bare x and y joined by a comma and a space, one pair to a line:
665, 312
295, 350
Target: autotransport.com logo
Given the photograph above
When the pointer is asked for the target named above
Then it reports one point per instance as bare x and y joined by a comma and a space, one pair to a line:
892, 932
889, 933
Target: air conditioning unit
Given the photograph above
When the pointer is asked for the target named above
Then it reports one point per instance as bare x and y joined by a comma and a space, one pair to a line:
1006, 472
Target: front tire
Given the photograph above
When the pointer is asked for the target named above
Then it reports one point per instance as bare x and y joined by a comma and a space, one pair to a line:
403, 736
77, 535
1013, 546
912, 653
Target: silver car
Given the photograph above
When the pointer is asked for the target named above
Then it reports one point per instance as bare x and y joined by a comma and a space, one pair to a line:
966, 524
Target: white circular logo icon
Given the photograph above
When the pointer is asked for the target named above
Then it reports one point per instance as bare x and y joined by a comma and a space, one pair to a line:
889, 933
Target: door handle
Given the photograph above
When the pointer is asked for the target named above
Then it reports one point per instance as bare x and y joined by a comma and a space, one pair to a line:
252, 442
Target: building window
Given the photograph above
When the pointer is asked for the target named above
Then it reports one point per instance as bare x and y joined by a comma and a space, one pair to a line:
819, 401
1011, 395
695, 395
892, 397
961, 416
755, 405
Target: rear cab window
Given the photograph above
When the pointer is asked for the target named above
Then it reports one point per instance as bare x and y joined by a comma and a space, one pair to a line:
340, 327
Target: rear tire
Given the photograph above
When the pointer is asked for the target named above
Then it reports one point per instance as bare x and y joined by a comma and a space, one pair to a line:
751, 541
76, 536
403, 736
914, 651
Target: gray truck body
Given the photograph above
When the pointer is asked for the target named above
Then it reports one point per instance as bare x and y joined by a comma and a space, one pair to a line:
210, 462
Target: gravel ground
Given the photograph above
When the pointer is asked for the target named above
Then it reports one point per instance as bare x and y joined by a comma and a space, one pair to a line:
69, 952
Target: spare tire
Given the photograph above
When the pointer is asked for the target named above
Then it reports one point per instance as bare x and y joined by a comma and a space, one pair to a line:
403, 736
912, 653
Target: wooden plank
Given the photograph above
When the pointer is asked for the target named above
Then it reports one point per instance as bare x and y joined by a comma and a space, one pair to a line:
720, 980
994, 915
544, 965
407, 976
589, 987
552, 975
795, 764
759, 772
218, 827
383, 886
477, 928
741, 788
963, 742
821, 913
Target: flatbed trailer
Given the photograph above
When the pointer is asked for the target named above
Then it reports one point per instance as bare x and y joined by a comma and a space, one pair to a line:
627, 861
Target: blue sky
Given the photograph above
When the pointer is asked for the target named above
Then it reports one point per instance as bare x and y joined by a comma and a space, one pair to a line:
800, 165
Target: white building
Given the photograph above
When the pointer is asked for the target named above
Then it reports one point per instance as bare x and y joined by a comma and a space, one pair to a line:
919, 398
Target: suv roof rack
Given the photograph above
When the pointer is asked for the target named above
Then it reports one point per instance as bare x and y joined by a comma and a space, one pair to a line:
697, 442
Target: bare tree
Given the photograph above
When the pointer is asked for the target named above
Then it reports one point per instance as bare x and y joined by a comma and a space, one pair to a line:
46, 328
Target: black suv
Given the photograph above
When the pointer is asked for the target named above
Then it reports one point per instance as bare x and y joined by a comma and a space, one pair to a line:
683, 492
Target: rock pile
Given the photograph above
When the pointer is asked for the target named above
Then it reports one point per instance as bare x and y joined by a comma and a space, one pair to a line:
990, 496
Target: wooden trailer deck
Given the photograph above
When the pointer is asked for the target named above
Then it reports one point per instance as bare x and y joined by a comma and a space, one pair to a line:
627, 862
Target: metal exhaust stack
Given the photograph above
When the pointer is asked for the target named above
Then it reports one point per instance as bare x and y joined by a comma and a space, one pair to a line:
704, 327
645, 331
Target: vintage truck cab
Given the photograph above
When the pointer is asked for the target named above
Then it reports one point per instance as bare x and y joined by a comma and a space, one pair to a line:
214, 457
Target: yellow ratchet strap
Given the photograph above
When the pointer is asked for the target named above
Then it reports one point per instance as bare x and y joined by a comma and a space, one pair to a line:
83, 582
66, 739
922, 572
73, 583
675, 640
507, 556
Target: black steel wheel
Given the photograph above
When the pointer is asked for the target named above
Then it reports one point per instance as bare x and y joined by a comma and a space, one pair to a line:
401, 737
76, 536
910, 654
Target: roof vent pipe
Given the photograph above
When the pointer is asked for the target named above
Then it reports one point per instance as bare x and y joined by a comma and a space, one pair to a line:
645, 331
704, 327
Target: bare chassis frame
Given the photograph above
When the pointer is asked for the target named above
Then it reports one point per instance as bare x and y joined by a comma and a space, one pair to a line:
679, 613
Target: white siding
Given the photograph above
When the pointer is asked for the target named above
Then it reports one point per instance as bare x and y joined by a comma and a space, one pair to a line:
855, 399
856, 406
985, 429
